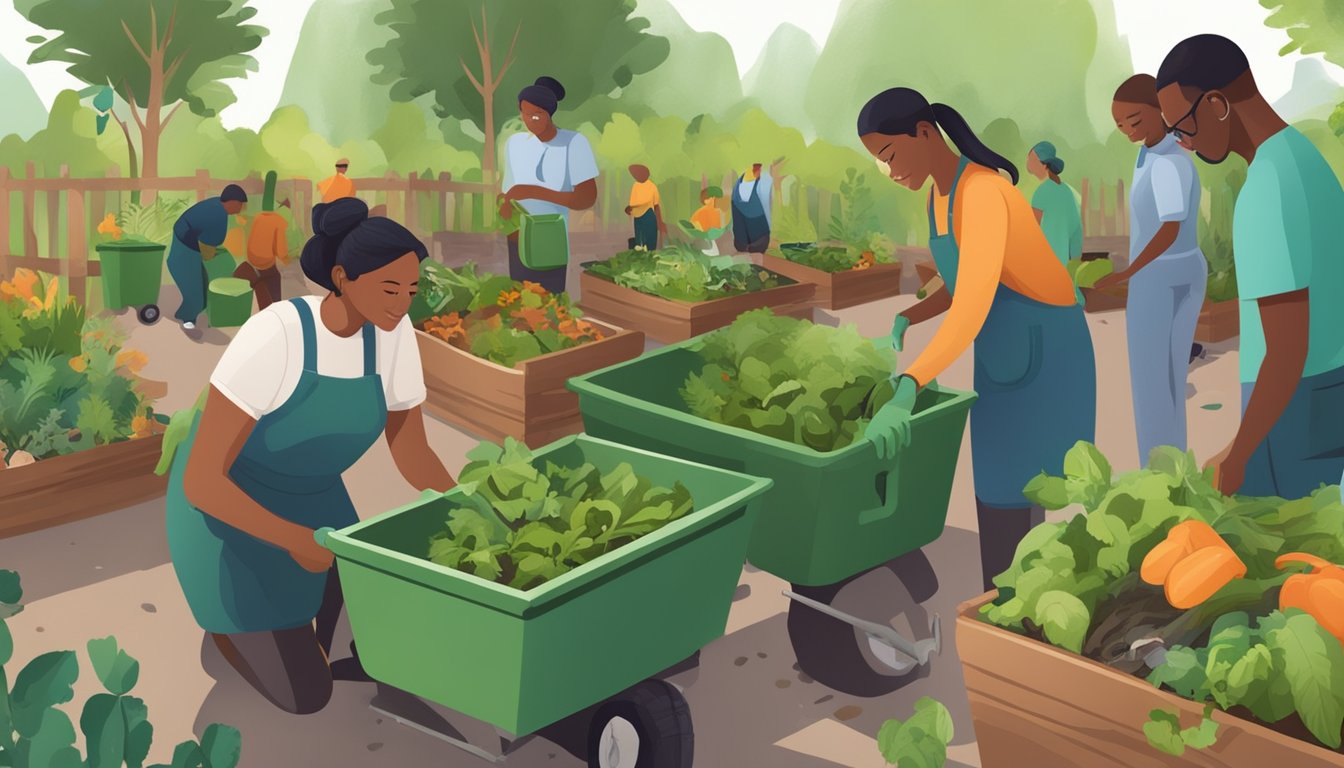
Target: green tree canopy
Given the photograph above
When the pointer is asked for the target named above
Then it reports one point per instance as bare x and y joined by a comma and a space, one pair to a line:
475, 56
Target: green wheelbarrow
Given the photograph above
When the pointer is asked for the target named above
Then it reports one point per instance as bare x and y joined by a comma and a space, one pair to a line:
484, 666
839, 526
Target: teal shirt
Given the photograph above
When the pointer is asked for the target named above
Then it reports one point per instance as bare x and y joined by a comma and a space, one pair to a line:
1287, 235
1061, 220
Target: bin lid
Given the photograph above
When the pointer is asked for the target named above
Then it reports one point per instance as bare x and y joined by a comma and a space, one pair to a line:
129, 245
230, 286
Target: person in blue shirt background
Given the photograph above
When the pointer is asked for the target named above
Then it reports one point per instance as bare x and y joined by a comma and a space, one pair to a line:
1288, 244
1167, 272
197, 234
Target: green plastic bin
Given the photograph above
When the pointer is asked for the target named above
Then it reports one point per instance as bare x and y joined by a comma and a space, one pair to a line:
828, 516
523, 660
222, 265
229, 303
543, 240
132, 273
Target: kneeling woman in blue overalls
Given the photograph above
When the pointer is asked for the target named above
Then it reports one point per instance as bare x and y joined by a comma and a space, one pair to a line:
302, 391
1004, 290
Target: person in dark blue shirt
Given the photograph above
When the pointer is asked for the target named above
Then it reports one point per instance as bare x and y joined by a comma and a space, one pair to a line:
198, 232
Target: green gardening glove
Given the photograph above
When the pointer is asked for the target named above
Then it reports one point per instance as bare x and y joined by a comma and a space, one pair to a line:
898, 328
889, 431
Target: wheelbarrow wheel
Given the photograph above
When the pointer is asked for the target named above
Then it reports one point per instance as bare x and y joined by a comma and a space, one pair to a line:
648, 726
148, 314
839, 656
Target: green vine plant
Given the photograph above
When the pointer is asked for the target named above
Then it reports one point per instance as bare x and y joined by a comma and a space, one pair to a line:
35, 733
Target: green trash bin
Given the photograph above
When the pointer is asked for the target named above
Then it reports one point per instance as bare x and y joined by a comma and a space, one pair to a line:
132, 272
229, 302
521, 660
543, 240
828, 516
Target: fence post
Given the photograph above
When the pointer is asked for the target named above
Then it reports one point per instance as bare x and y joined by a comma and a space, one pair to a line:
29, 211
412, 207
76, 265
4, 210
1085, 191
445, 178
202, 184
1121, 209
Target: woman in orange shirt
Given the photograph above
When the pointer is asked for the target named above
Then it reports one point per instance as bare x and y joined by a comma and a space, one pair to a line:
1005, 291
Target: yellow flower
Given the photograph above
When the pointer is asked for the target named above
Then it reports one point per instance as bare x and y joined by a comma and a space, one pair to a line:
131, 359
21, 287
79, 364
508, 297
140, 427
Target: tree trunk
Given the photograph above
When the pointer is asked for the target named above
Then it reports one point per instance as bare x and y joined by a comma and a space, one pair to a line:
488, 160
153, 131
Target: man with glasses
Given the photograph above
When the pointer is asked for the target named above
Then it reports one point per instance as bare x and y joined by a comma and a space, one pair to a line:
1288, 243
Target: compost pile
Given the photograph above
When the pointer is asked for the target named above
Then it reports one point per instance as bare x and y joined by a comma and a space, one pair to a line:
497, 318
1228, 601
679, 273
790, 379
834, 258
522, 525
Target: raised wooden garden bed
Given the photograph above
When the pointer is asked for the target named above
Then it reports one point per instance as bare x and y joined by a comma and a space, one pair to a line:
1218, 321
1105, 300
1035, 704
79, 485
529, 402
926, 270
838, 290
671, 321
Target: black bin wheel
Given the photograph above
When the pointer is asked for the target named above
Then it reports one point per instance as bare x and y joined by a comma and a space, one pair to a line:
648, 726
148, 314
839, 656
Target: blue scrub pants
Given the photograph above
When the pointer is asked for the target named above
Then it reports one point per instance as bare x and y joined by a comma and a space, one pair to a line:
187, 267
1305, 449
1161, 313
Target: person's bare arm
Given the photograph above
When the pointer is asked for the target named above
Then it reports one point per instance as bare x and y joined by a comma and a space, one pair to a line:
416, 461
1039, 214
1163, 240
223, 430
1285, 318
582, 198
930, 307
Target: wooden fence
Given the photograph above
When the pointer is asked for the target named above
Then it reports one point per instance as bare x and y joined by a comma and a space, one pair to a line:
1105, 209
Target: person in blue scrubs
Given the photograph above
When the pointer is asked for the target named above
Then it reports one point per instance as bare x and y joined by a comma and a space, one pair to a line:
197, 234
1288, 245
1167, 272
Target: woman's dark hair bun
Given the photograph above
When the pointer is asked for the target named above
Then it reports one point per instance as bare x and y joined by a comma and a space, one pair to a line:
343, 234
339, 218
552, 85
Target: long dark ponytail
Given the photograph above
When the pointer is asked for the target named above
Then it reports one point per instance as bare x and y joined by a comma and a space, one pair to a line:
898, 111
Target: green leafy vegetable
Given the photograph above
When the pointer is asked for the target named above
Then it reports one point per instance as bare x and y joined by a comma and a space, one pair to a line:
790, 379
1087, 273
522, 524
1165, 733
921, 741
679, 273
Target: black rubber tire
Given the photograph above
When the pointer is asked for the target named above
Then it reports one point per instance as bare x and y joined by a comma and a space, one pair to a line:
835, 654
148, 314
660, 716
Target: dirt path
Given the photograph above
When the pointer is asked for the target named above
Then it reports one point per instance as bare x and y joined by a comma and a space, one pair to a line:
111, 575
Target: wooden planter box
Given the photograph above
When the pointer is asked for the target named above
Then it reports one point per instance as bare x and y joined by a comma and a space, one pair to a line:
1035, 704
76, 486
530, 402
672, 321
838, 290
926, 270
1107, 300
1218, 321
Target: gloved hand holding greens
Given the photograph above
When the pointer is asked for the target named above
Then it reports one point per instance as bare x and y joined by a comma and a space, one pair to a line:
1162, 560
678, 273
790, 379
521, 525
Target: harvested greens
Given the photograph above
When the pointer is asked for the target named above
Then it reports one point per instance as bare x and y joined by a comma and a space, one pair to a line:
523, 525
679, 273
790, 379
836, 258
1086, 586
496, 318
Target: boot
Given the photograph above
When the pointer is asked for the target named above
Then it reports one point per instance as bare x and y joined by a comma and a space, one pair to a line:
1001, 530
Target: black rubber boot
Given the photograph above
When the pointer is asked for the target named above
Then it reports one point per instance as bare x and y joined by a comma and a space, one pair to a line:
1001, 530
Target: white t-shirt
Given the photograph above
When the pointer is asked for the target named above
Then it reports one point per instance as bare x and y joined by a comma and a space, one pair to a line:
260, 368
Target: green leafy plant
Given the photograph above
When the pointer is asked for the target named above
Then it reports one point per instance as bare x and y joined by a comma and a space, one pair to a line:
921, 741
1163, 730
1086, 273
522, 522
856, 218
794, 226
152, 222
679, 273
790, 379
1075, 584
35, 733
1215, 237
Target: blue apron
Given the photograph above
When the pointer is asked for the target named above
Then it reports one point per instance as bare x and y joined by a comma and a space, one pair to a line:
751, 227
1035, 375
291, 464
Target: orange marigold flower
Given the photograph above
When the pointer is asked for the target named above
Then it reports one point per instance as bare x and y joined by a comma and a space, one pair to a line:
79, 364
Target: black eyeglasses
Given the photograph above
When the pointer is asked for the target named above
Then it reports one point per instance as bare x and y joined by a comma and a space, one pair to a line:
1182, 134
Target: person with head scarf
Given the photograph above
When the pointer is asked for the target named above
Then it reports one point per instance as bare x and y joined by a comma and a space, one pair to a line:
1167, 272
646, 210
305, 388
1055, 203
1287, 231
548, 170
1003, 291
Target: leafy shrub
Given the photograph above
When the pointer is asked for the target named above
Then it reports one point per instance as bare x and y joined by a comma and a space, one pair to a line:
678, 273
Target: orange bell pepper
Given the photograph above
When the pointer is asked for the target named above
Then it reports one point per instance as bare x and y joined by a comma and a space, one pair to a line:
1319, 591
1191, 564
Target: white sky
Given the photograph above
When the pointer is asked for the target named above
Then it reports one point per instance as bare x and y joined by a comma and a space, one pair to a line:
746, 24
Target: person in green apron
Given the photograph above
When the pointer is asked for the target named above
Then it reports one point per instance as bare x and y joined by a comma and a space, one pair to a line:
1005, 291
300, 394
